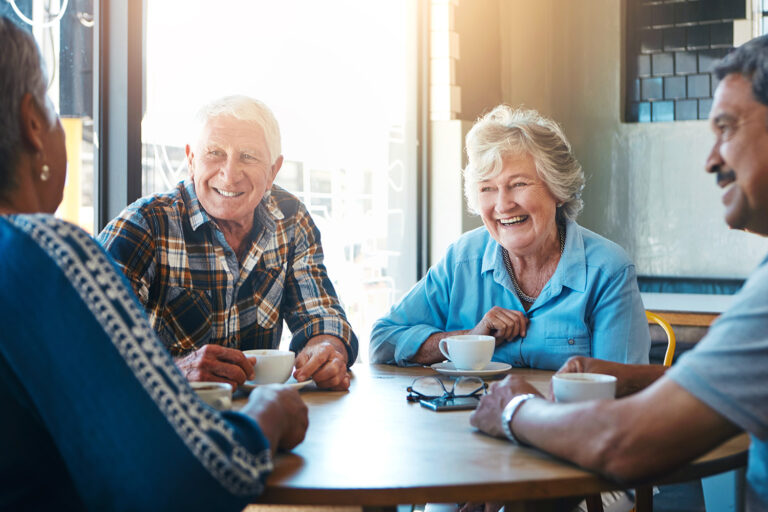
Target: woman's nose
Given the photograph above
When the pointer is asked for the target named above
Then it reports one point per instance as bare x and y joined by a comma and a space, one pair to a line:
505, 200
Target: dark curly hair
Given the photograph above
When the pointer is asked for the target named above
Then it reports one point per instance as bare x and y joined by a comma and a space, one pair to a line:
751, 61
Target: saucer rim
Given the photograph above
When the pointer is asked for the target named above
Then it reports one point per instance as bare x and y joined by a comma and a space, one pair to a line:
442, 367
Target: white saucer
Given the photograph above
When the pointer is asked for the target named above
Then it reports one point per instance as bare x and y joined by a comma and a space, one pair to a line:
293, 383
493, 368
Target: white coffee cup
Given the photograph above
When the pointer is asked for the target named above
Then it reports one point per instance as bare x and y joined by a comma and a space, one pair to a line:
578, 387
272, 366
468, 351
216, 394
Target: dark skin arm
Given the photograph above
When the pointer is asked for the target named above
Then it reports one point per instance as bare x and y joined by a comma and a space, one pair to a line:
631, 378
647, 433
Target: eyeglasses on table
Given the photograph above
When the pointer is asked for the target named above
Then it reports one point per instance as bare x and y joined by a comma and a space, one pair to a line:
432, 386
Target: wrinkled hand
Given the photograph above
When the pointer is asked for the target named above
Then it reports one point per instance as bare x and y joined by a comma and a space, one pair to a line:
323, 359
487, 416
280, 413
214, 363
503, 324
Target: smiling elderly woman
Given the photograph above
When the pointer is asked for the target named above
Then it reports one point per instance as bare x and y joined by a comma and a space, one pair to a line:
543, 286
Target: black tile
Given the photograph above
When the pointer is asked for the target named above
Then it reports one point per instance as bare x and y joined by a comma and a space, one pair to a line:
674, 39
710, 10
733, 10
686, 110
662, 64
705, 106
698, 86
632, 113
708, 59
698, 36
644, 112
685, 63
663, 15
644, 18
674, 87
651, 88
643, 65
650, 40
722, 35
662, 111
686, 13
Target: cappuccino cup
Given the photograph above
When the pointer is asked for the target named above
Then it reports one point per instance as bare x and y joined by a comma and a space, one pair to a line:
272, 366
468, 351
578, 387
216, 394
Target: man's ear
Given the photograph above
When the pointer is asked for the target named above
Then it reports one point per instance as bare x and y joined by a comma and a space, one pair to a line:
190, 159
33, 123
276, 167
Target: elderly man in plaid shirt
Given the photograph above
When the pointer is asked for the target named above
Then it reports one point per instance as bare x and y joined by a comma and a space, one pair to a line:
223, 258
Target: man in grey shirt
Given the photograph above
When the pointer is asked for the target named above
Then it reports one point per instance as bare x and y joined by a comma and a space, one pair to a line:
715, 391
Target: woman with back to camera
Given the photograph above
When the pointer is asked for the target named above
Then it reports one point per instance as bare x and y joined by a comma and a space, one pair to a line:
543, 286
96, 416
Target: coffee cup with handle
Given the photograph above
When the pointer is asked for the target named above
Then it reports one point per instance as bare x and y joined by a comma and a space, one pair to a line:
578, 387
468, 351
272, 366
216, 394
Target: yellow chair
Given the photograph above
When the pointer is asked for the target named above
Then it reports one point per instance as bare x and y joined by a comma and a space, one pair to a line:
658, 319
643, 495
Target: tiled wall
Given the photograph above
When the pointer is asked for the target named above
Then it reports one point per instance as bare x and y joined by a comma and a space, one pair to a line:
672, 46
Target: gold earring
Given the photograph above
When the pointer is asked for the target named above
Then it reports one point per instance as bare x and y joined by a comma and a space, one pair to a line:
45, 172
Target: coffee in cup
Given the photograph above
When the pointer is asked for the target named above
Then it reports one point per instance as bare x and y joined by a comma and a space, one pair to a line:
468, 351
578, 387
272, 366
216, 394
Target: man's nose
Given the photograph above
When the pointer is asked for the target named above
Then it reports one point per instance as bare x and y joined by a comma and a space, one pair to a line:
714, 161
229, 170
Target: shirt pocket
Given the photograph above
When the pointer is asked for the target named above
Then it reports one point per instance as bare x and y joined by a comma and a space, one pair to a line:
559, 347
267, 289
188, 314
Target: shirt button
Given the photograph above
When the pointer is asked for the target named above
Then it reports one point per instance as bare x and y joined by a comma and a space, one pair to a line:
571, 342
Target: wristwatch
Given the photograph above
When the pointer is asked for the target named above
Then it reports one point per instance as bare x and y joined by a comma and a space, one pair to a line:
509, 412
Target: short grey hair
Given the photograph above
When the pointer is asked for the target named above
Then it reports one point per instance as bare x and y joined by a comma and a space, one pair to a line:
243, 108
21, 72
507, 131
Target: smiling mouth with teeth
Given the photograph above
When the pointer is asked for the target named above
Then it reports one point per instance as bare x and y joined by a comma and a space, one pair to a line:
226, 193
513, 220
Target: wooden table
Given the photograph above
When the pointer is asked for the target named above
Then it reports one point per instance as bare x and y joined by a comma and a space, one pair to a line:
688, 309
371, 447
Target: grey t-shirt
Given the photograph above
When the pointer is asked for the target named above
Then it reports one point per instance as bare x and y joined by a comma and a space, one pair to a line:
728, 371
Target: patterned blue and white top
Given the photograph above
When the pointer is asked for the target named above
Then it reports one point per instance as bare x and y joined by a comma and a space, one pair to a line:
95, 415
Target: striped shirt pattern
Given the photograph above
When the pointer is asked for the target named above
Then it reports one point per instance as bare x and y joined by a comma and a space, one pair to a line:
195, 290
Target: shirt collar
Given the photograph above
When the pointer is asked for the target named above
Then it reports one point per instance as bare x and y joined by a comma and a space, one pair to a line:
570, 272
266, 212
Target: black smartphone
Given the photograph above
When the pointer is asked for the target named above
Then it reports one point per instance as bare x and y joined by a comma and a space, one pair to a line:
450, 403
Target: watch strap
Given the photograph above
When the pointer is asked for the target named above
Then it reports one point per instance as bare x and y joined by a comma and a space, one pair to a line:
509, 412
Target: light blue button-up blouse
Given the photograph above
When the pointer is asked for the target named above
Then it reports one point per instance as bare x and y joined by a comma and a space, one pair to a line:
591, 305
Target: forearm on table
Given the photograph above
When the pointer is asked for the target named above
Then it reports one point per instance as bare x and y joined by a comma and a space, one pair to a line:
429, 352
629, 439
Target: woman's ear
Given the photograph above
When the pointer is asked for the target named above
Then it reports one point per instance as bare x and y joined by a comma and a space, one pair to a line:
33, 123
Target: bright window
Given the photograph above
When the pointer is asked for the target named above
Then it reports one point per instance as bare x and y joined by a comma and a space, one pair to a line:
336, 75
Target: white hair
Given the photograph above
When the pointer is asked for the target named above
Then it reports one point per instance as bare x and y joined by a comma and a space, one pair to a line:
245, 109
506, 131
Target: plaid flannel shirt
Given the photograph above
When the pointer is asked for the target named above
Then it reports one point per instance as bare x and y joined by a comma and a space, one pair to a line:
196, 292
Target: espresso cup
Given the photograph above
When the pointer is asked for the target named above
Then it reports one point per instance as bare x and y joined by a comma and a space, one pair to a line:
578, 387
272, 366
468, 351
216, 394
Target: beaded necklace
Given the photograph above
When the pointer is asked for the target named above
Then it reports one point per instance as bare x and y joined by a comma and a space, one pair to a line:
507, 263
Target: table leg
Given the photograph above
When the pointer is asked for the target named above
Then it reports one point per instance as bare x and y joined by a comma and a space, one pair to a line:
553, 505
